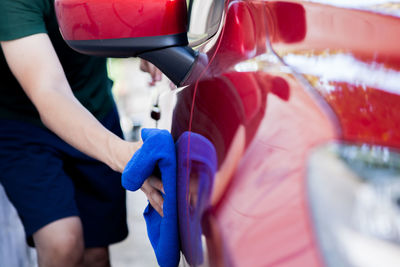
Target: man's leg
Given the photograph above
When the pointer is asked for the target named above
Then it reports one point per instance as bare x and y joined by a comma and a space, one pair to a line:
60, 243
96, 257
34, 178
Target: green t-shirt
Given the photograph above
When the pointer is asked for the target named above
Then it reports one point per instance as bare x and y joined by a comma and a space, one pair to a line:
87, 75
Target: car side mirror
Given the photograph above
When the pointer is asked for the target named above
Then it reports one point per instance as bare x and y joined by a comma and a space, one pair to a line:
153, 30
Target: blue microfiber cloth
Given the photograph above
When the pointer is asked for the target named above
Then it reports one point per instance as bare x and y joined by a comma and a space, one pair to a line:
196, 154
158, 149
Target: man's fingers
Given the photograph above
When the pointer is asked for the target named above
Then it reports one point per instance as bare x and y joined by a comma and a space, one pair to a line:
156, 183
145, 66
155, 73
172, 86
154, 197
158, 202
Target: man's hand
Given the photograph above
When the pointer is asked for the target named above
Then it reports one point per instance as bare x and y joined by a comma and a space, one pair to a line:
154, 72
157, 154
153, 188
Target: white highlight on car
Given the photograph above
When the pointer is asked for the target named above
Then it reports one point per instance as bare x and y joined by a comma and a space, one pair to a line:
345, 68
354, 3
386, 7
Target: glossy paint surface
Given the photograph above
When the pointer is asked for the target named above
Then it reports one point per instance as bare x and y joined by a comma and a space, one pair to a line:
331, 73
262, 123
115, 19
352, 58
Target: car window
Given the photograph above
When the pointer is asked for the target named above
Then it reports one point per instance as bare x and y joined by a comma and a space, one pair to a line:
204, 19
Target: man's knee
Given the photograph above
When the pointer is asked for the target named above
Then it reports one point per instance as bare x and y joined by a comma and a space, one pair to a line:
60, 243
66, 249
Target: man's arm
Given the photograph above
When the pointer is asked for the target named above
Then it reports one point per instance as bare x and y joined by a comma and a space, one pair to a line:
37, 68
35, 64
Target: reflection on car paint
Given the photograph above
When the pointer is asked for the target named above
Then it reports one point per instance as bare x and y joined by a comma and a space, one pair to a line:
352, 58
367, 36
388, 7
289, 22
336, 68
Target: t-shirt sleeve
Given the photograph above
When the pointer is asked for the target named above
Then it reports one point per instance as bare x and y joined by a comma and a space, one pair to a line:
20, 18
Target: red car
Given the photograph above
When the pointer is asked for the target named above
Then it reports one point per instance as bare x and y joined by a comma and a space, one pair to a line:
287, 123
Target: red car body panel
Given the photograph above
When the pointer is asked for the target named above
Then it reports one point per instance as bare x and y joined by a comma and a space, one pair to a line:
260, 214
265, 123
367, 114
369, 36
116, 19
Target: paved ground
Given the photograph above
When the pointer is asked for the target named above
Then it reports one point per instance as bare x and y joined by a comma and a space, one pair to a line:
136, 249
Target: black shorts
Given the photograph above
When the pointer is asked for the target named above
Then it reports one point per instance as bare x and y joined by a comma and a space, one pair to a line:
47, 180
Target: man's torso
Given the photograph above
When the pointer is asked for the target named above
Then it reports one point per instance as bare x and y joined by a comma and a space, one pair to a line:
86, 75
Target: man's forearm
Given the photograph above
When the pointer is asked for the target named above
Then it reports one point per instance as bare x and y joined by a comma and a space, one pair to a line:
65, 116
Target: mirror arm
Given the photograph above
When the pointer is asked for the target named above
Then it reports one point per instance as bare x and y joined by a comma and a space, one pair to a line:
175, 62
